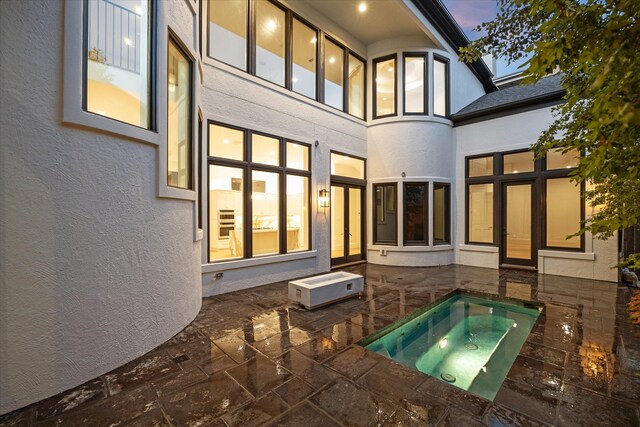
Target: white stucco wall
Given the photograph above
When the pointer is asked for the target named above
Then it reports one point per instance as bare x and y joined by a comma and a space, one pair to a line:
519, 131
95, 268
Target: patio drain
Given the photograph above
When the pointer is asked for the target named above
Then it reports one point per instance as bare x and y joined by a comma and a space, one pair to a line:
470, 346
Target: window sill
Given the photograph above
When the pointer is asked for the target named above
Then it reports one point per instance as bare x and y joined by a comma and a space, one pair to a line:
479, 248
416, 248
254, 262
587, 256
411, 118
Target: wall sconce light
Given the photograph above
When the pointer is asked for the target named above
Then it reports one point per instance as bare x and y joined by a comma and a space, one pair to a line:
323, 198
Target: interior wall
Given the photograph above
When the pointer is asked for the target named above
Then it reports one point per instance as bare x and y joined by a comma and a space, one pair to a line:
95, 269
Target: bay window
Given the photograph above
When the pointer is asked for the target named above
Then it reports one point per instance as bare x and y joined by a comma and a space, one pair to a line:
416, 222
384, 86
440, 86
385, 214
414, 83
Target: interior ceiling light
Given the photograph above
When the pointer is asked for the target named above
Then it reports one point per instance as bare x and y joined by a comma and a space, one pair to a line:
271, 25
332, 60
362, 7
390, 69
313, 40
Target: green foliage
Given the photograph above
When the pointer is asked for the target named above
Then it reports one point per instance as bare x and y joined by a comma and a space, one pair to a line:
595, 45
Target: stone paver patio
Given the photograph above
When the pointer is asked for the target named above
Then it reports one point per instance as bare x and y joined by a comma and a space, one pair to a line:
253, 358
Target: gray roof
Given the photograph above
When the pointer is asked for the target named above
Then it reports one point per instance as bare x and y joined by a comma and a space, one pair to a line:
546, 89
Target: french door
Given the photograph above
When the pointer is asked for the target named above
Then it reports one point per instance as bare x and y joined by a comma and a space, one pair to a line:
347, 223
518, 243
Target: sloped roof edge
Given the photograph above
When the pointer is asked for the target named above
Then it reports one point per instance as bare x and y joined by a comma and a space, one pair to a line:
438, 15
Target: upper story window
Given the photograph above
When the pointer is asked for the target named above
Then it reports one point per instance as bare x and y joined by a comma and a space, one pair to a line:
356, 87
283, 48
384, 84
118, 60
227, 38
304, 52
270, 45
179, 145
414, 80
440, 86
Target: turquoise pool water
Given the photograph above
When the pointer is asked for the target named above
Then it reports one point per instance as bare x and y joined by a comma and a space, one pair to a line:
466, 341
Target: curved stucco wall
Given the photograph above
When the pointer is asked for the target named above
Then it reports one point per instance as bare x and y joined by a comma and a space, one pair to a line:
95, 268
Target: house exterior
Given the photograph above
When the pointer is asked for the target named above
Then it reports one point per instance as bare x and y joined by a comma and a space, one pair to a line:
155, 152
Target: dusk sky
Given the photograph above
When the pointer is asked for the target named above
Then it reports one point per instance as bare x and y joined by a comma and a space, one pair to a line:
469, 14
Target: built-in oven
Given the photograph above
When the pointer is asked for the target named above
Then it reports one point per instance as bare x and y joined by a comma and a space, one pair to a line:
226, 223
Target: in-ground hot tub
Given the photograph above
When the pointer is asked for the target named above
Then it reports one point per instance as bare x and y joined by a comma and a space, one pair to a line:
320, 290
465, 340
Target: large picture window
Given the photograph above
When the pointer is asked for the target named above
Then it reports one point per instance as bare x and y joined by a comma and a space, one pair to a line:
356, 86
384, 86
179, 145
258, 207
333, 74
270, 45
304, 53
385, 213
118, 60
480, 213
416, 222
563, 213
227, 39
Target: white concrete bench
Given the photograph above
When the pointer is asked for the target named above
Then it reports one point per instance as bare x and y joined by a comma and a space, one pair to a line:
325, 289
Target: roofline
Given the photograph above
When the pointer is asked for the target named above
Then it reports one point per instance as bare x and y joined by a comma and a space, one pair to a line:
438, 15
515, 107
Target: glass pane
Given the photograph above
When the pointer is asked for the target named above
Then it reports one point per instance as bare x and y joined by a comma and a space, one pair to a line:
481, 213
415, 206
440, 208
482, 166
518, 162
297, 156
118, 60
563, 213
226, 142
385, 87
347, 166
337, 222
179, 119
414, 84
355, 221
386, 215
356, 87
557, 160
440, 88
270, 42
305, 41
519, 221
265, 202
265, 150
226, 195
228, 32
297, 213
333, 74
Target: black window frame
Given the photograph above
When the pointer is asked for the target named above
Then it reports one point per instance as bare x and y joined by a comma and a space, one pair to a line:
153, 66
447, 213
447, 81
425, 214
248, 167
374, 63
425, 95
320, 54
376, 241
538, 177
173, 38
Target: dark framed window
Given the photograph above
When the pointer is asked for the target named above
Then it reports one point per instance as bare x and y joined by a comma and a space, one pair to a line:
441, 213
385, 214
440, 86
267, 40
385, 81
179, 117
416, 213
414, 84
560, 200
259, 188
118, 41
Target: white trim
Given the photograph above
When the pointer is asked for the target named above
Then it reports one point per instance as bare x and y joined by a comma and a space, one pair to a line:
254, 262
589, 256
478, 248
416, 248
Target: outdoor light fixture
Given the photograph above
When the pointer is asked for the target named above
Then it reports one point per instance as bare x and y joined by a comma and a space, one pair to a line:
323, 198
443, 343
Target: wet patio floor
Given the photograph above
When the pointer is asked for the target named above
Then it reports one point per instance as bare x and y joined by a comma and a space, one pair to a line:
254, 358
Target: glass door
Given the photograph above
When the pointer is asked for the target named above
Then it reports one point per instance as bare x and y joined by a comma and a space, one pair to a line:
518, 219
346, 223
